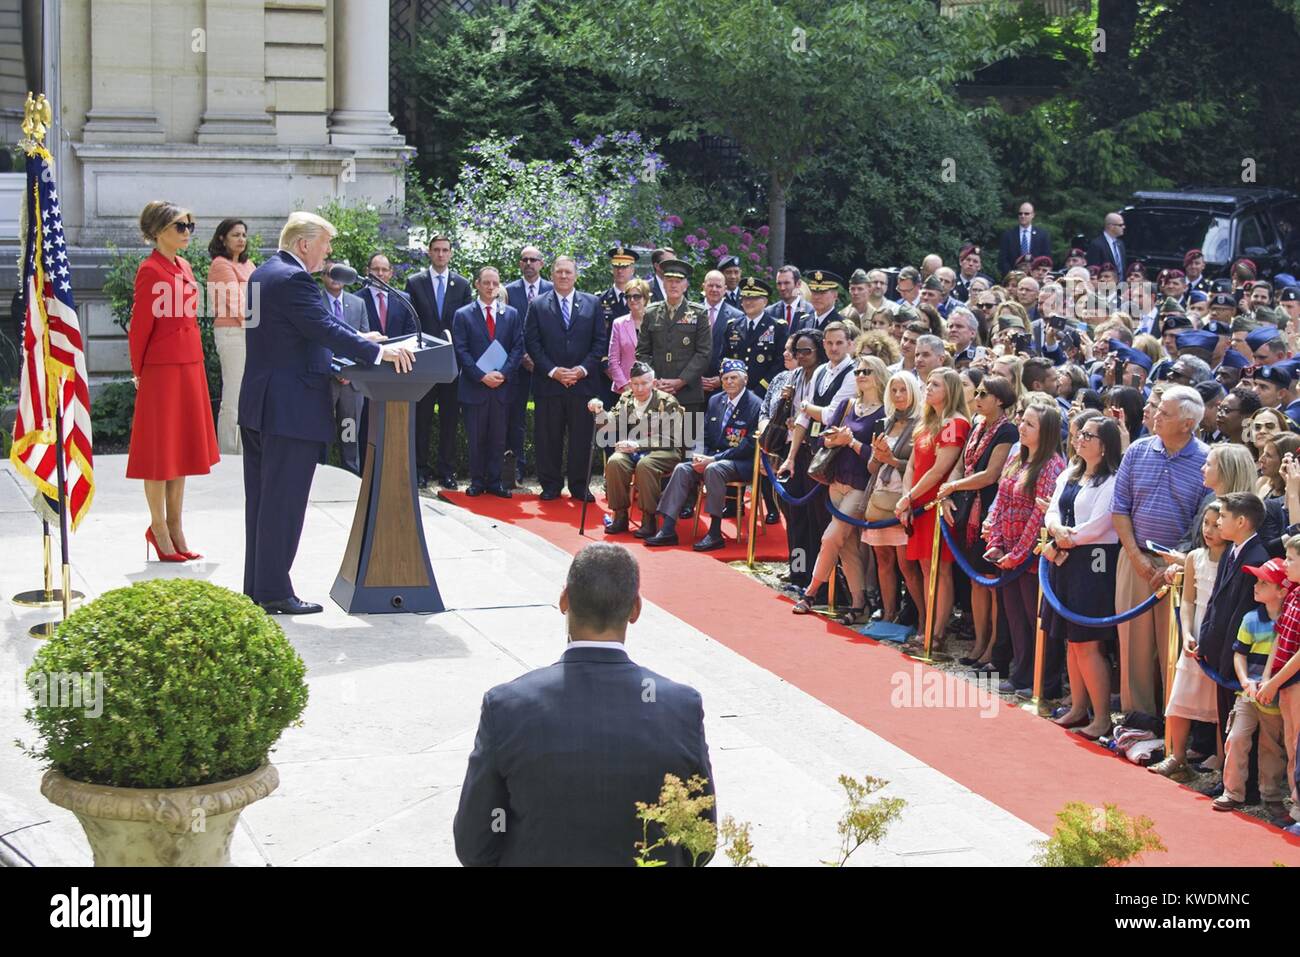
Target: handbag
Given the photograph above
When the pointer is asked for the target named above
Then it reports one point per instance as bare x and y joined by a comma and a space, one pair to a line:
881, 502
822, 466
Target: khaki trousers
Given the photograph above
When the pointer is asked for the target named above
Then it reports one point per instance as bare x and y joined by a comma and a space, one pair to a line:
650, 473
1143, 641
1243, 721
1288, 699
229, 341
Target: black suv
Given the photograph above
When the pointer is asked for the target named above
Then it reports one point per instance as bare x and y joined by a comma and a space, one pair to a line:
1255, 222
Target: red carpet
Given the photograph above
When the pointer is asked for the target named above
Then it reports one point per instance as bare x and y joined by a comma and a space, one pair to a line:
1015, 760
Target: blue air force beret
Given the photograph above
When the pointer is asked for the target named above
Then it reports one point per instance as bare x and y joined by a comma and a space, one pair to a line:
1233, 359
1196, 339
1131, 356
1263, 336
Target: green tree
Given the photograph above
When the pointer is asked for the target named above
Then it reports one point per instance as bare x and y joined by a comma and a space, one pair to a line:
807, 67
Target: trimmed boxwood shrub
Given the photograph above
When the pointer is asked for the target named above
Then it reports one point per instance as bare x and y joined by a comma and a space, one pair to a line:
198, 684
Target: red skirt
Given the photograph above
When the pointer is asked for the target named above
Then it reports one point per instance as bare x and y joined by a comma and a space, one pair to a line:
920, 544
172, 433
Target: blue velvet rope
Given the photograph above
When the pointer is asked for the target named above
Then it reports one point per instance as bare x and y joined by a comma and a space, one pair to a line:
860, 523
1045, 581
780, 489
1004, 579
1218, 679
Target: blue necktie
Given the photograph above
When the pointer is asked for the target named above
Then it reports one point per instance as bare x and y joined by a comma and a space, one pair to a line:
438, 294
564, 311
1024, 242
338, 310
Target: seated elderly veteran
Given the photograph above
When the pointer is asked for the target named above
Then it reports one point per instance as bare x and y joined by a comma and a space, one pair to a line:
646, 431
729, 425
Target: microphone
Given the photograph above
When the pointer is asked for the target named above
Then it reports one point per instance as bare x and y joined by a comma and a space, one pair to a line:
342, 273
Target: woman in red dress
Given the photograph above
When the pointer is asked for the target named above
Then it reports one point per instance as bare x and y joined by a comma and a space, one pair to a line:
172, 434
936, 446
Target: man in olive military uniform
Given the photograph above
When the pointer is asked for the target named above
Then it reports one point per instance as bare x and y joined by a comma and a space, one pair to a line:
756, 338
645, 429
676, 340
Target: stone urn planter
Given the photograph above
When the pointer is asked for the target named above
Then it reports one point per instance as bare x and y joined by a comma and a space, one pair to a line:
152, 702
160, 827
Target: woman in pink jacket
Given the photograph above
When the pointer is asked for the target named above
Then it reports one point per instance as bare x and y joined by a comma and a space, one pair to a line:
623, 334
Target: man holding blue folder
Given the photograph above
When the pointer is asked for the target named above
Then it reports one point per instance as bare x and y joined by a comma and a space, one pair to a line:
488, 336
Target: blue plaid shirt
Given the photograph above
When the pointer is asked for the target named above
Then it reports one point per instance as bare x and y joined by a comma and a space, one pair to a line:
1160, 494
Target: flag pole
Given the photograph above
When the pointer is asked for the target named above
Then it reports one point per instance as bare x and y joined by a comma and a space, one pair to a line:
47, 629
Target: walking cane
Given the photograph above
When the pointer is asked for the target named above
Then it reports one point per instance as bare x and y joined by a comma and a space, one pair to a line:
753, 503
591, 457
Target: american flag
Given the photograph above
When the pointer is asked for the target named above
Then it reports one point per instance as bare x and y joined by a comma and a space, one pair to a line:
54, 358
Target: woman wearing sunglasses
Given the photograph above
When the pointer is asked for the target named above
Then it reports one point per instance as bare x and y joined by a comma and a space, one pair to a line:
623, 334
172, 434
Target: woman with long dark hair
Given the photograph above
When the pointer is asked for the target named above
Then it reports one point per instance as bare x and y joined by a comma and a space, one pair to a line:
1124, 404
227, 298
808, 355
1011, 531
1083, 550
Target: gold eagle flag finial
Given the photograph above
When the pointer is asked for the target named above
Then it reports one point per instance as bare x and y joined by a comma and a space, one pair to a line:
37, 119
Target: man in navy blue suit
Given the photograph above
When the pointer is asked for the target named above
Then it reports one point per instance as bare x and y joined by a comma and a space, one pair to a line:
484, 394
564, 753
564, 333
285, 415
389, 314
520, 295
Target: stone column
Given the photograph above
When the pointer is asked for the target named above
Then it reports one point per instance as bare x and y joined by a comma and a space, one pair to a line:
361, 114
235, 75
121, 74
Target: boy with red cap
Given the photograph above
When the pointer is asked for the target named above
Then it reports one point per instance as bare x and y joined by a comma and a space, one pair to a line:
1281, 684
1251, 654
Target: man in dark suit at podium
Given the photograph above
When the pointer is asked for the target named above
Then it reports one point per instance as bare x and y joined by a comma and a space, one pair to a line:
563, 753
520, 294
437, 293
485, 394
285, 416
385, 312
564, 333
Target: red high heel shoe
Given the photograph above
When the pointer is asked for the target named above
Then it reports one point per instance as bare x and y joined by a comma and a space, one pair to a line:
191, 556
149, 539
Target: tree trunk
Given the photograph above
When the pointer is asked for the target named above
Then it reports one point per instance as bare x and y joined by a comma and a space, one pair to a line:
776, 221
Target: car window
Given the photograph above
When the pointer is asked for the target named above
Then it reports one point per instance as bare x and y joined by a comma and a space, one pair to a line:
1251, 236
1168, 233
1286, 220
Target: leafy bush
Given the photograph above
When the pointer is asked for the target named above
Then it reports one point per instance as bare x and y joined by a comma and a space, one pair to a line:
1096, 837
112, 412
865, 822
678, 818
198, 684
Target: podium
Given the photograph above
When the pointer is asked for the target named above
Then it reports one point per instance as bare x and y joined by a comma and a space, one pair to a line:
386, 564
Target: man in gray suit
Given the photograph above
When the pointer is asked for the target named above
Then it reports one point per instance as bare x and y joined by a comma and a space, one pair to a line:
564, 753
347, 401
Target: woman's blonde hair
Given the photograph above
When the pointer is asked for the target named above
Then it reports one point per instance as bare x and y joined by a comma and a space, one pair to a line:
304, 225
1149, 346
877, 342
954, 404
913, 390
879, 372
1013, 307
638, 285
1236, 467
160, 214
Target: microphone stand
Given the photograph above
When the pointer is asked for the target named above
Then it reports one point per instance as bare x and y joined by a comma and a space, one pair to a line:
406, 300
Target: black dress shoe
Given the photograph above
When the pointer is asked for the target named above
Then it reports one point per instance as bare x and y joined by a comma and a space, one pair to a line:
423, 481
499, 491
448, 482
710, 543
617, 527
649, 526
474, 491
291, 606
687, 512
661, 538
582, 495
550, 496
773, 518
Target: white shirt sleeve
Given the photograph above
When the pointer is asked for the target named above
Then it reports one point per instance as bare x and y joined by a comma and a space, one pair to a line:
1097, 526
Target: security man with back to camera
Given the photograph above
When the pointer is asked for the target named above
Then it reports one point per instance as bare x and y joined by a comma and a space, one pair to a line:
285, 416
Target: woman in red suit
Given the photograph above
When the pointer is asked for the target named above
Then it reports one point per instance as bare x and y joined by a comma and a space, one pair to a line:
172, 435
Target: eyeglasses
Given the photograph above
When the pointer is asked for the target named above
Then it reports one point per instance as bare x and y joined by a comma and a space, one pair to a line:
530, 259
861, 372
184, 227
1024, 214
981, 393
634, 295
805, 351
1085, 436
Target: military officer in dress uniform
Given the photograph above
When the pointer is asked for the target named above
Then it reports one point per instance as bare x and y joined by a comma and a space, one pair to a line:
824, 289
729, 266
756, 338
645, 429
613, 303
675, 339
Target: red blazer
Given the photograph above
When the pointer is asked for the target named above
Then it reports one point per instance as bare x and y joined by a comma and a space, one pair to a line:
164, 316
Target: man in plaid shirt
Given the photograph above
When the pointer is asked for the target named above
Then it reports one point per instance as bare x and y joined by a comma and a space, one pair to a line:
1282, 673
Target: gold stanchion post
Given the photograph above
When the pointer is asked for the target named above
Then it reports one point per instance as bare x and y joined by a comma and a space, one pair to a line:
1175, 647
49, 596
932, 593
754, 492
1035, 704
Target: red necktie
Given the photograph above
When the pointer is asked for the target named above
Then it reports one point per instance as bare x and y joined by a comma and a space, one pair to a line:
492, 326
383, 313
788, 310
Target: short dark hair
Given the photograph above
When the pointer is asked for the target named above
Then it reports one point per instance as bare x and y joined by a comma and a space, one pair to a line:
438, 237
602, 585
1248, 400
1245, 505
1034, 370
217, 247
792, 270
1000, 388
370, 261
